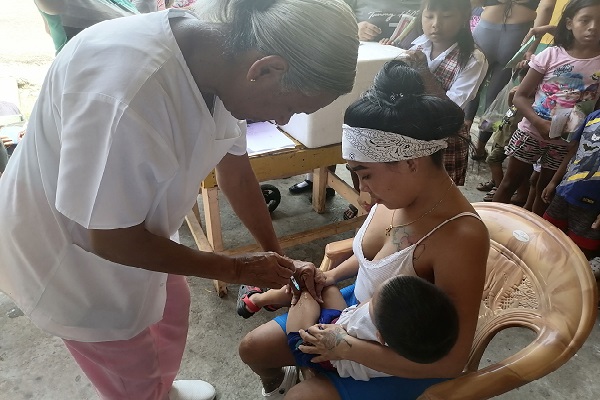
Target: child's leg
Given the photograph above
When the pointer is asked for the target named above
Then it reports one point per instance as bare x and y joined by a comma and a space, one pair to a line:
520, 198
495, 160
550, 161
523, 151
332, 298
516, 172
251, 299
303, 314
497, 173
545, 176
307, 310
272, 297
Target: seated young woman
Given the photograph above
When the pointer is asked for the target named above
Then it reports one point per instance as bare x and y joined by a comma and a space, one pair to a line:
421, 225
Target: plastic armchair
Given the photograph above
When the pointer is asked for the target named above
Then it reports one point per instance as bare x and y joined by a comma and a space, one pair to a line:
536, 278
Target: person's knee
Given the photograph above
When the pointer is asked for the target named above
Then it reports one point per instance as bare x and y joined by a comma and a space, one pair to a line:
297, 393
302, 391
252, 347
315, 388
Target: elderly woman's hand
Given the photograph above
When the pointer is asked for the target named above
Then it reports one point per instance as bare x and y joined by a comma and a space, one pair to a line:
328, 342
263, 269
310, 278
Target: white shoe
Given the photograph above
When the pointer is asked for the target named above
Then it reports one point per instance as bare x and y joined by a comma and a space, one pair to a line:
290, 378
192, 390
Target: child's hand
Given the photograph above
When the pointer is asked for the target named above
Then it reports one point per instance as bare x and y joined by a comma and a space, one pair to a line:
416, 59
539, 32
6, 141
511, 95
367, 31
548, 192
524, 63
596, 224
386, 41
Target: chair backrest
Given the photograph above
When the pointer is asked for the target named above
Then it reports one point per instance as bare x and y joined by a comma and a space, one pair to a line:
537, 278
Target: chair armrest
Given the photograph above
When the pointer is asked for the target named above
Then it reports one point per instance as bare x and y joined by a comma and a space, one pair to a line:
336, 253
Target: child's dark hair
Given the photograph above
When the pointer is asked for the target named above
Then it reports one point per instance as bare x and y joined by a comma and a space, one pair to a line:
397, 103
416, 319
563, 37
466, 44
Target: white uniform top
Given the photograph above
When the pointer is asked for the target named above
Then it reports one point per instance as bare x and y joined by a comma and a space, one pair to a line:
466, 83
85, 13
120, 136
356, 320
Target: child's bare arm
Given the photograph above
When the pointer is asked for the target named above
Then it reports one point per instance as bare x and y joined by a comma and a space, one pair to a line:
523, 100
548, 192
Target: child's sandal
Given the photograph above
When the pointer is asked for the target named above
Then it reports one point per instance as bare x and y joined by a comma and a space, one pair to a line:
489, 196
486, 186
244, 306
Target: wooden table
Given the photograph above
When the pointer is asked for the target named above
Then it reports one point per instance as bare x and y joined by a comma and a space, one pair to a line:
275, 165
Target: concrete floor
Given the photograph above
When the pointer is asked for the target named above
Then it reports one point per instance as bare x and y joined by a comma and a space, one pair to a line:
34, 365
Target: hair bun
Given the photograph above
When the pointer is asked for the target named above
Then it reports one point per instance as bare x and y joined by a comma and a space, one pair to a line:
396, 84
397, 77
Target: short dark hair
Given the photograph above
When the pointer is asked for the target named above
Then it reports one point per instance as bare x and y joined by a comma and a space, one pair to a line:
416, 319
563, 37
397, 102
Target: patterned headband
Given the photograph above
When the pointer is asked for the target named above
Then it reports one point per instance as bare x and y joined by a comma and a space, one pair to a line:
372, 145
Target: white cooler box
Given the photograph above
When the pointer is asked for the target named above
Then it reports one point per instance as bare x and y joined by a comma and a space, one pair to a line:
324, 127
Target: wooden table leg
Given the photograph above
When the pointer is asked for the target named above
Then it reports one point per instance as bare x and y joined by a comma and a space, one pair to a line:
319, 189
212, 213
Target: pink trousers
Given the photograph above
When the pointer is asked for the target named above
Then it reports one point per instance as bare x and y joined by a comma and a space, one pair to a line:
144, 367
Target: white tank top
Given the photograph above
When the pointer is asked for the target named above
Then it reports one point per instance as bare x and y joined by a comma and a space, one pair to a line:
373, 273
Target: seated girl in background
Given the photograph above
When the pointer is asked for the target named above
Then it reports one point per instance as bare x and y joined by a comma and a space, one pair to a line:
394, 139
456, 67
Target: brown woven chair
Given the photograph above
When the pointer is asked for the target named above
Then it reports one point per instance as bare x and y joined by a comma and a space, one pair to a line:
537, 278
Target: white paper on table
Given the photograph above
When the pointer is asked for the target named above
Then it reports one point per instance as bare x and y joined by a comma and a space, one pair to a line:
263, 137
559, 120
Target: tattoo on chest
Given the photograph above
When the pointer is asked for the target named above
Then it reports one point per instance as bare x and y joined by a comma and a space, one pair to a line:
402, 239
335, 338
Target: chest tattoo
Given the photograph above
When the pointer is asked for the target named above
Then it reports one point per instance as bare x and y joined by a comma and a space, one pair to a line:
403, 238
